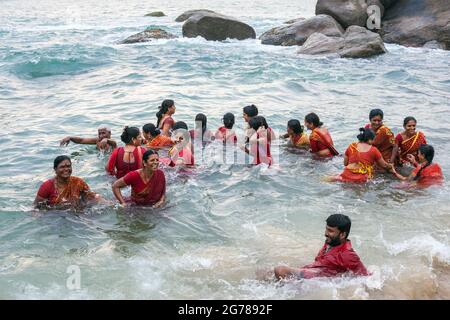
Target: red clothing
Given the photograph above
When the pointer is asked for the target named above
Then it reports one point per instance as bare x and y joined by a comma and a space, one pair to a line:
146, 193
261, 150
431, 174
72, 193
320, 141
185, 153
118, 167
384, 141
337, 260
410, 145
226, 135
364, 160
169, 121
160, 141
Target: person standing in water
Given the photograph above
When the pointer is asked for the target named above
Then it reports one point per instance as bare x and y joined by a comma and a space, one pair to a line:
384, 138
320, 140
103, 141
154, 139
226, 133
408, 142
164, 116
335, 258
297, 138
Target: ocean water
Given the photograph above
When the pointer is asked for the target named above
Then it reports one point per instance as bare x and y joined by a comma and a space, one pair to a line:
63, 73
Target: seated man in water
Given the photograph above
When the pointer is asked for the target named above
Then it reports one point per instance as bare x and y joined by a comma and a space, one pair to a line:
336, 256
103, 141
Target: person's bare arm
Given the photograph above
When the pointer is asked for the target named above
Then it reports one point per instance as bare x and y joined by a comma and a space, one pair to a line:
165, 130
39, 202
79, 140
394, 153
160, 202
345, 160
116, 190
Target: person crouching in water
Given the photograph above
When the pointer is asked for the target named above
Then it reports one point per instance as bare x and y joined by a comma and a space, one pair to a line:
335, 258
148, 185
297, 138
154, 138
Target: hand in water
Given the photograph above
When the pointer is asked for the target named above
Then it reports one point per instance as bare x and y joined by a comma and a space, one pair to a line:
103, 144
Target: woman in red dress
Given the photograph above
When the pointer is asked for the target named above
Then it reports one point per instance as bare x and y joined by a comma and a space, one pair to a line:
259, 143
360, 158
148, 185
201, 131
164, 115
128, 158
384, 138
408, 141
181, 153
226, 133
321, 142
154, 138
64, 190
426, 172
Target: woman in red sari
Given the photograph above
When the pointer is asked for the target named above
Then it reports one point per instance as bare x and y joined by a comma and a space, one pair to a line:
154, 139
148, 185
128, 158
259, 143
321, 142
164, 115
226, 133
181, 153
360, 158
64, 190
408, 141
297, 138
426, 172
384, 138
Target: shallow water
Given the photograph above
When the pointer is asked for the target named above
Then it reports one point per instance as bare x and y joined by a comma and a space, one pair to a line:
62, 73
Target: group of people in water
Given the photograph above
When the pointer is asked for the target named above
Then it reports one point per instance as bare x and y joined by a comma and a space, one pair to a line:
138, 164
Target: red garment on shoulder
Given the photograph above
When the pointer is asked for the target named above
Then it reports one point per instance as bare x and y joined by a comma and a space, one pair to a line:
72, 192
221, 135
146, 193
432, 174
261, 151
169, 121
118, 167
384, 141
337, 260
320, 141
368, 158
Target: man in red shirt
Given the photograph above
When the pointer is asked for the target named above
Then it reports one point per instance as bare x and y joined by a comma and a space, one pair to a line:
336, 256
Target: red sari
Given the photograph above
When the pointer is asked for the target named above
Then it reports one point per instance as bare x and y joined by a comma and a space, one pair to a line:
146, 194
261, 149
384, 141
320, 141
410, 145
118, 167
431, 174
364, 160
169, 121
160, 141
75, 191
300, 140
226, 135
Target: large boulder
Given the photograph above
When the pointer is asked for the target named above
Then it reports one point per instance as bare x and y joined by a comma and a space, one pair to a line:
346, 12
298, 32
190, 13
388, 3
414, 23
216, 27
148, 35
357, 42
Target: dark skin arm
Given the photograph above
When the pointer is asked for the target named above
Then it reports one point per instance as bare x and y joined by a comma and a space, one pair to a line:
117, 185
79, 140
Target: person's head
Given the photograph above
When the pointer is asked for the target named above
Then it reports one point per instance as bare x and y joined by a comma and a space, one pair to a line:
294, 127
181, 134
103, 132
131, 136
312, 121
150, 131
250, 112
256, 122
200, 122
409, 124
228, 120
150, 160
376, 118
426, 153
166, 107
337, 229
366, 135
62, 166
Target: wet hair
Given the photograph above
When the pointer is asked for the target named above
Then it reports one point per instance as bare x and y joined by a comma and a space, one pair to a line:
228, 120
180, 125
342, 222
365, 135
147, 154
256, 122
428, 152
376, 112
152, 129
408, 119
202, 118
163, 109
60, 159
314, 119
129, 133
264, 121
295, 125
251, 110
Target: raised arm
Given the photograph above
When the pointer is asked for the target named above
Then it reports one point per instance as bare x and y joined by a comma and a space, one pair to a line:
79, 140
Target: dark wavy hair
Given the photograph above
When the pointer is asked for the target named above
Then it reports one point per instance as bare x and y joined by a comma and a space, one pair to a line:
163, 109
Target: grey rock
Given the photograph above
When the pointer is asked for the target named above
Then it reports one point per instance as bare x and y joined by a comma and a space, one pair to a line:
346, 12
294, 21
216, 27
413, 23
148, 35
190, 13
155, 14
298, 32
434, 45
377, 3
388, 3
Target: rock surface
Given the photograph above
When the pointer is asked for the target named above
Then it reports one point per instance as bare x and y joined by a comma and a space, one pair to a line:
155, 14
186, 15
148, 35
346, 12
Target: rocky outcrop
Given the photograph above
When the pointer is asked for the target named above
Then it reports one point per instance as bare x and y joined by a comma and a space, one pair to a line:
155, 14
216, 27
148, 35
346, 12
414, 23
298, 32
357, 42
190, 13
294, 20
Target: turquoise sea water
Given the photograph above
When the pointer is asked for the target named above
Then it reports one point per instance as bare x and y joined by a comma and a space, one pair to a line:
62, 73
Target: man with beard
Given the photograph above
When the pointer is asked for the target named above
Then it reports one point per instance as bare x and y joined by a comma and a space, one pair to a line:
336, 256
